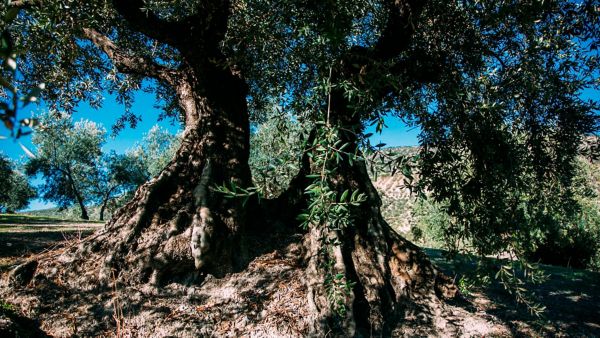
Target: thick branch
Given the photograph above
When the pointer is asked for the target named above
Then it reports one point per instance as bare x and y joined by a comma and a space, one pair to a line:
399, 30
395, 38
196, 34
130, 64
143, 20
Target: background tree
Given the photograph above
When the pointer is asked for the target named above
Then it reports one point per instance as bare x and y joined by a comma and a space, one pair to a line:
16, 190
114, 175
276, 146
157, 148
66, 155
117, 176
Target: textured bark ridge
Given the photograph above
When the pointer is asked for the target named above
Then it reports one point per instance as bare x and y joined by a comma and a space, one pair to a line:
393, 279
176, 224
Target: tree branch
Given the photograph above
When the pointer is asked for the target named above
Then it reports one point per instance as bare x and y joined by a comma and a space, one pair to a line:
400, 27
143, 20
130, 64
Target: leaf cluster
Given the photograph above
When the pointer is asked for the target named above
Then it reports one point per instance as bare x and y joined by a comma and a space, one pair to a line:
16, 191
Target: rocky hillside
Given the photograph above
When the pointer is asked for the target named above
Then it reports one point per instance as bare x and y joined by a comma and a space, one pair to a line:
403, 212
397, 202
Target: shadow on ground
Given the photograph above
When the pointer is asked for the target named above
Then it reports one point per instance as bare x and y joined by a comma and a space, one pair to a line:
15, 244
25, 219
571, 298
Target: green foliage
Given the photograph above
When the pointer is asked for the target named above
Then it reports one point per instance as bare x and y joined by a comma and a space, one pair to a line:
232, 190
50, 38
514, 275
499, 149
16, 191
8, 90
575, 240
66, 156
430, 224
69, 157
156, 150
275, 149
7, 309
112, 177
328, 207
338, 288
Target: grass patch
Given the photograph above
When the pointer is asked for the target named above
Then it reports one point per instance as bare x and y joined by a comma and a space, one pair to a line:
7, 309
23, 219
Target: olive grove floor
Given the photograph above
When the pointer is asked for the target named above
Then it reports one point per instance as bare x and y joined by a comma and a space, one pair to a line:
267, 299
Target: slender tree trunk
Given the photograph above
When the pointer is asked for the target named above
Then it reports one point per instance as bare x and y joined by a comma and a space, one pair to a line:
101, 218
84, 214
105, 201
102, 208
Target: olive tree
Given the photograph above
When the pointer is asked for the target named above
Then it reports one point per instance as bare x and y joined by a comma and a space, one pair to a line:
484, 80
16, 190
66, 155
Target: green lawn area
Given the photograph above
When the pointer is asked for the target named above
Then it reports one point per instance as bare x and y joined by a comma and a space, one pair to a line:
21, 235
24, 219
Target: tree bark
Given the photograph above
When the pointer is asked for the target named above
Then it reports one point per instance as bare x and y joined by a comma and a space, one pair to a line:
102, 209
392, 278
105, 200
177, 224
84, 215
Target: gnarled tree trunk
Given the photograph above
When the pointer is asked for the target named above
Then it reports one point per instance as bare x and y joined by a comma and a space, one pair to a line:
394, 278
176, 223
390, 278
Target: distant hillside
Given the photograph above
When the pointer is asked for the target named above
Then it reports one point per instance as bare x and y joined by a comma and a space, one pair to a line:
403, 211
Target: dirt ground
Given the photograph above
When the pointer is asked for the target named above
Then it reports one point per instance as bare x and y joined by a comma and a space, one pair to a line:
571, 298
265, 300
20, 240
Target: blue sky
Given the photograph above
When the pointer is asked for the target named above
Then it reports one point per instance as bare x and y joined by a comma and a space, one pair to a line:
107, 116
397, 133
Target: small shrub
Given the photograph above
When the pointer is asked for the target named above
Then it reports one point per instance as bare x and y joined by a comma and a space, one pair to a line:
431, 220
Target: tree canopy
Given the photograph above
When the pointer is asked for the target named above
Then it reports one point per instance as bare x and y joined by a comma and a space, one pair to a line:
496, 88
16, 190
66, 156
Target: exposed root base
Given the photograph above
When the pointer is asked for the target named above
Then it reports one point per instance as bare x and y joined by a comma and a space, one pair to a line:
267, 299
